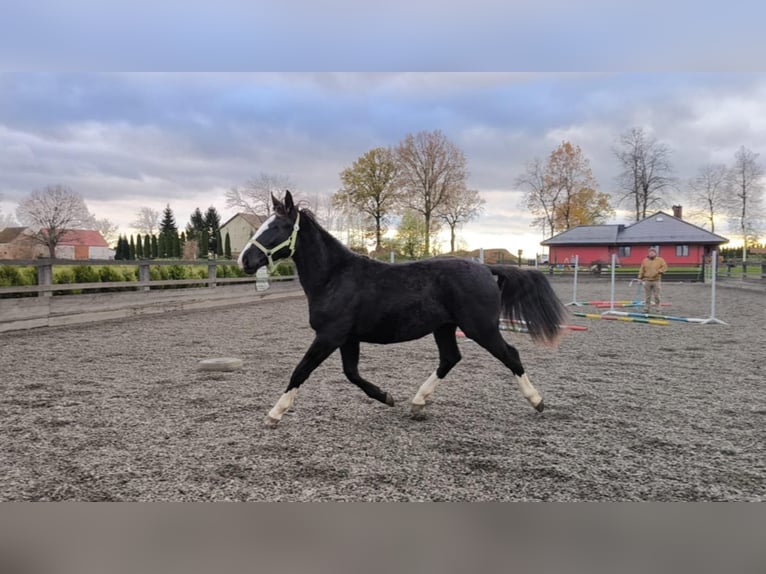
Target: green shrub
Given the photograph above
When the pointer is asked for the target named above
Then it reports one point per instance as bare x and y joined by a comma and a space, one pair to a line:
85, 274
28, 275
130, 274
284, 269
176, 272
10, 276
63, 276
109, 274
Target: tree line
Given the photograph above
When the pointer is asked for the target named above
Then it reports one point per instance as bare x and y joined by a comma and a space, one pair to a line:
420, 186
202, 235
561, 192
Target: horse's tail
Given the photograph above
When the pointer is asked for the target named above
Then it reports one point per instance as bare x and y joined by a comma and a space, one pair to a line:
526, 295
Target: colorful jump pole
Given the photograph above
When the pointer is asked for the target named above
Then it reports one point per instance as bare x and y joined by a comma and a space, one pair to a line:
510, 325
655, 316
613, 317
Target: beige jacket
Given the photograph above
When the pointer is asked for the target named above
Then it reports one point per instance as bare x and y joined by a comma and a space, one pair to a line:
652, 269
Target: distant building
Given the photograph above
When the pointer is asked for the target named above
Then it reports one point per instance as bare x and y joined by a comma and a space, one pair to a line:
241, 228
677, 241
20, 243
83, 244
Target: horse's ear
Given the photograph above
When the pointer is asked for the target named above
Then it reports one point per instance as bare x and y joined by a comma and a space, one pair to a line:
278, 207
289, 205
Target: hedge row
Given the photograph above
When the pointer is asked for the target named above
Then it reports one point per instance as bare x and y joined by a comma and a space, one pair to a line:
13, 276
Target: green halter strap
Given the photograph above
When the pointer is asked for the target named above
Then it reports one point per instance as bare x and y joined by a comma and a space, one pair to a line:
289, 242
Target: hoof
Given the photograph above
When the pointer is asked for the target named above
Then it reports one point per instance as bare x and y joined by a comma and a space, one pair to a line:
271, 423
418, 412
389, 400
540, 407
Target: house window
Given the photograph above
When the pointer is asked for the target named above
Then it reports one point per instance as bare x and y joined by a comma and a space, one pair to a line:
682, 251
623, 251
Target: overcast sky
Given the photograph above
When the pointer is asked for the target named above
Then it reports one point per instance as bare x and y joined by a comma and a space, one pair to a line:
127, 140
130, 140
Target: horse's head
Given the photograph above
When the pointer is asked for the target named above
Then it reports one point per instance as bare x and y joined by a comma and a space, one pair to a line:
275, 239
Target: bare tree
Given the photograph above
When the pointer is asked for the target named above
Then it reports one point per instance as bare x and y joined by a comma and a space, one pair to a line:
255, 196
321, 204
52, 212
104, 226
431, 169
6, 219
541, 197
708, 193
646, 171
745, 180
462, 207
147, 220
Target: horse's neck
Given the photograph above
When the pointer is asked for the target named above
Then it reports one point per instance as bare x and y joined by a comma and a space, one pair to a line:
317, 256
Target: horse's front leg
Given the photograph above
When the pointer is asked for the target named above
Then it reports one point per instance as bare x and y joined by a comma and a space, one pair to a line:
317, 352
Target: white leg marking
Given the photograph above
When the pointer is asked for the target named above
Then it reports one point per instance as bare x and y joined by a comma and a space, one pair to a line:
426, 390
529, 392
284, 403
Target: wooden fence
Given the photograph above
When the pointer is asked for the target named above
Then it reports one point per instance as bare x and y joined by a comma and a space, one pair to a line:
49, 304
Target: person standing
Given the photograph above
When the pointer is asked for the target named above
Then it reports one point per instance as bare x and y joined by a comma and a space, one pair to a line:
650, 272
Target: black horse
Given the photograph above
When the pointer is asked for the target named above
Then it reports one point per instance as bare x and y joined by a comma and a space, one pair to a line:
354, 299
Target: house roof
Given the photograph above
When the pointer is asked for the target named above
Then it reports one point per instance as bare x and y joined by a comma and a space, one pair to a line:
659, 227
9, 234
88, 237
586, 235
254, 220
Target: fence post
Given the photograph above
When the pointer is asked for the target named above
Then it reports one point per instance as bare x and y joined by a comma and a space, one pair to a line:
144, 276
45, 278
211, 273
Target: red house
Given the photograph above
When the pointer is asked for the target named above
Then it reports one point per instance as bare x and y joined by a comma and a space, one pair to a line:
677, 241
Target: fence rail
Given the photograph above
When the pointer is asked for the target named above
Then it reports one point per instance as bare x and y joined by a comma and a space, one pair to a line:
60, 304
46, 285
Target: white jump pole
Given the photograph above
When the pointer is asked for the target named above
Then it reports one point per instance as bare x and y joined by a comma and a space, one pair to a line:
611, 289
574, 285
712, 318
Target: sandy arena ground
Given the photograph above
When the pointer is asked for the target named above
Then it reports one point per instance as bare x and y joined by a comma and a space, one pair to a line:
118, 411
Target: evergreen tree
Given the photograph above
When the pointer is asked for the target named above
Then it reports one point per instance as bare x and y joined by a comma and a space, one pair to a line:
139, 247
227, 247
203, 245
168, 224
118, 249
196, 224
162, 246
212, 221
147, 246
155, 247
176, 243
132, 252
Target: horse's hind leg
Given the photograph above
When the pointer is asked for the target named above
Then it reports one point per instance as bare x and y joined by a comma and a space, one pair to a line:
449, 356
349, 353
494, 343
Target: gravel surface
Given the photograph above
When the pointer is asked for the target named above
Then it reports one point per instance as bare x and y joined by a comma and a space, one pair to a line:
119, 411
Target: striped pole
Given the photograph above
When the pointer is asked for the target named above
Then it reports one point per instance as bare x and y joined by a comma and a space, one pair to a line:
509, 326
655, 316
613, 317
